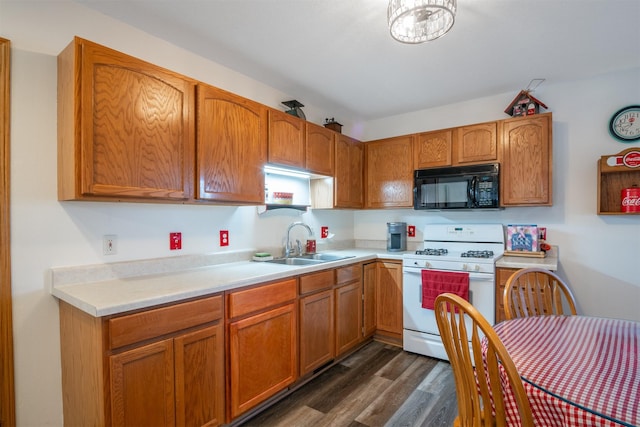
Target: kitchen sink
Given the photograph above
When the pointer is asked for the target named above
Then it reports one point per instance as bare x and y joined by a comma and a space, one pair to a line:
295, 261
325, 257
309, 259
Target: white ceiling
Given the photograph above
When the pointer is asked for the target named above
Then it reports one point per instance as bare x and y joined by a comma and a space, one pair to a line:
337, 55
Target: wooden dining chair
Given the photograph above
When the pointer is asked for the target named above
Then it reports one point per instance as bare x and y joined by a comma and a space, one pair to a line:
480, 394
537, 292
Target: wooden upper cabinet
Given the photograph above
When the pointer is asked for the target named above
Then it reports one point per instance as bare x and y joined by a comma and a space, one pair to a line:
433, 149
125, 127
349, 175
389, 172
286, 139
320, 149
231, 147
457, 146
526, 161
475, 144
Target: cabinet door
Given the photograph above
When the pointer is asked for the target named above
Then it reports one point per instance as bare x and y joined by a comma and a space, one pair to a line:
348, 316
130, 124
433, 149
369, 298
502, 275
286, 139
317, 342
389, 173
199, 377
262, 357
476, 144
231, 147
320, 150
142, 386
349, 173
389, 294
526, 161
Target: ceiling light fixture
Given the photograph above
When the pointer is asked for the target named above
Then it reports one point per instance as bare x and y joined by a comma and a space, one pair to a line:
418, 21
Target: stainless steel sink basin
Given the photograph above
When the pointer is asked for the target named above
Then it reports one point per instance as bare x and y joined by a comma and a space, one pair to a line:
295, 261
325, 257
309, 259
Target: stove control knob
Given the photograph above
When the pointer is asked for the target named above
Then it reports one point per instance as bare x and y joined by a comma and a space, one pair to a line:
465, 267
477, 267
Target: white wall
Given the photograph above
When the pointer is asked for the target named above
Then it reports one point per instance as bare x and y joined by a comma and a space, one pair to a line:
597, 253
46, 233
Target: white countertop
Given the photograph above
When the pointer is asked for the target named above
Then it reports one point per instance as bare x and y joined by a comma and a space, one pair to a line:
107, 289
549, 262
117, 295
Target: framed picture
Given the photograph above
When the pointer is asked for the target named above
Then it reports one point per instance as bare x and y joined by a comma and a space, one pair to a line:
522, 238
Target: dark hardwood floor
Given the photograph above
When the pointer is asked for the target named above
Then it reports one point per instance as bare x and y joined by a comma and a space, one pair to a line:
379, 385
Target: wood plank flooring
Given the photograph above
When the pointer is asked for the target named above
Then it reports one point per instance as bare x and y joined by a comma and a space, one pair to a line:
379, 385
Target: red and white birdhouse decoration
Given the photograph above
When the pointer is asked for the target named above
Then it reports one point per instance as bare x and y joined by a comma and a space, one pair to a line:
524, 104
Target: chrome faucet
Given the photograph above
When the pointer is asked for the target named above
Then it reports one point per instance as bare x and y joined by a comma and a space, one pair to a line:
288, 246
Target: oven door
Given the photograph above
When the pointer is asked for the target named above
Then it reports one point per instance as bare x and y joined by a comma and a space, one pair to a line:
481, 295
420, 334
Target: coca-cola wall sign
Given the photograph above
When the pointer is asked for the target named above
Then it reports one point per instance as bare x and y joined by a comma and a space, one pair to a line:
630, 160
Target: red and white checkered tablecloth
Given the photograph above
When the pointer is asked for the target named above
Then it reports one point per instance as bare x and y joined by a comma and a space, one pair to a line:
577, 370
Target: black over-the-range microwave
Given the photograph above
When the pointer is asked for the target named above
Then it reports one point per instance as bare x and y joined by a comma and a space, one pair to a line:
457, 187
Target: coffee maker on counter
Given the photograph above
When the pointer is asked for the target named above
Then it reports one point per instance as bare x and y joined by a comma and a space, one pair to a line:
396, 236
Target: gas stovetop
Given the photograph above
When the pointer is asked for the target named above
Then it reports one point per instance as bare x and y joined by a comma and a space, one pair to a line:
478, 243
445, 252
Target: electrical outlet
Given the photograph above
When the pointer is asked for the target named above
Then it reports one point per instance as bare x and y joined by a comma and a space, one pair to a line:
109, 244
175, 241
411, 231
324, 232
224, 237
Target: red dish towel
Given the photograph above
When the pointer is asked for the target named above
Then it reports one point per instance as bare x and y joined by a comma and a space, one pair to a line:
436, 282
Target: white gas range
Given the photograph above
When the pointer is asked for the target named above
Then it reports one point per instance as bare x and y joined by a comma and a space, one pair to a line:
470, 248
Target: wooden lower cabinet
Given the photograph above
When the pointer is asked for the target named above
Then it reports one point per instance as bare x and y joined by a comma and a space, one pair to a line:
317, 335
369, 299
263, 343
388, 284
199, 386
502, 275
162, 367
348, 294
142, 386
348, 315
171, 382
317, 344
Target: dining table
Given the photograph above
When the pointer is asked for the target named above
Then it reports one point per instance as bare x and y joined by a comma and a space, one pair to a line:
576, 370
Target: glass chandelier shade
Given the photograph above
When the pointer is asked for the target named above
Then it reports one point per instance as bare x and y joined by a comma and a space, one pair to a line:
418, 21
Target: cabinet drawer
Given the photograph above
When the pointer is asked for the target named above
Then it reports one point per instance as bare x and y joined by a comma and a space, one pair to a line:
137, 327
349, 273
317, 281
256, 299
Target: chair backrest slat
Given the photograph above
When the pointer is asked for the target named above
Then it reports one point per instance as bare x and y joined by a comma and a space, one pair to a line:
537, 292
479, 376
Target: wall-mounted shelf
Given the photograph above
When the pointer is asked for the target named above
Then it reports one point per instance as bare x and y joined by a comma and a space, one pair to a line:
616, 172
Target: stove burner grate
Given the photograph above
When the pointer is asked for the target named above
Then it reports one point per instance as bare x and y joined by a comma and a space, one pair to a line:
477, 254
432, 252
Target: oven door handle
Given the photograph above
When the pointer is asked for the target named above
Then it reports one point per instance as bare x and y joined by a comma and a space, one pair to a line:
479, 277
